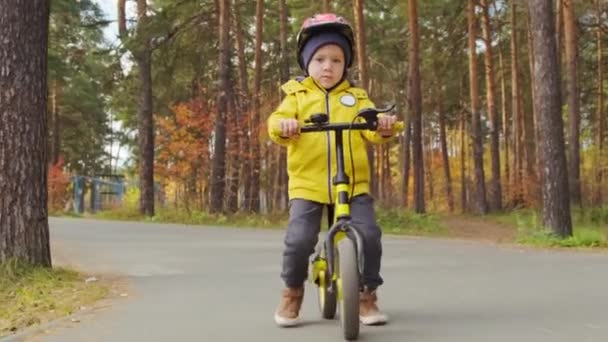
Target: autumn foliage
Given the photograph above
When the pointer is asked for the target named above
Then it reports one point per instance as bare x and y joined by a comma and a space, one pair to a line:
182, 150
58, 186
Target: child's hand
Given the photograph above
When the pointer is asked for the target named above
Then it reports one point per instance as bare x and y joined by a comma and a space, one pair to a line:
289, 128
385, 125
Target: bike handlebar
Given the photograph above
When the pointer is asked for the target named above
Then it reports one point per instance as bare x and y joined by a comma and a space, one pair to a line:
319, 123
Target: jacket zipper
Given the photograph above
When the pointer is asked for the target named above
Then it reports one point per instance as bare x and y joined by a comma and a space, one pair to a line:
328, 150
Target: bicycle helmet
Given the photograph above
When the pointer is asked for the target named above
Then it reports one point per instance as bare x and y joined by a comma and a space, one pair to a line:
322, 29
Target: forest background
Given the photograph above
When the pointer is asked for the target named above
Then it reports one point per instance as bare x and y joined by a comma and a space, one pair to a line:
177, 102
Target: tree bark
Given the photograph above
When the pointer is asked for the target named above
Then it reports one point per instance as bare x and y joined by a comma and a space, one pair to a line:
463, 162
218, 167
531, 129
415, 99
505, 120
480, 188
24, 230
361, 51
406, 162
574, 119
556, 202
444, 154
599, 116
244, 108
516, 186
495, 185
255, 119
143, 58
282, 167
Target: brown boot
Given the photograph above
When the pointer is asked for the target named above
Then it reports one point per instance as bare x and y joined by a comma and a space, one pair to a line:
369, 314
289, 307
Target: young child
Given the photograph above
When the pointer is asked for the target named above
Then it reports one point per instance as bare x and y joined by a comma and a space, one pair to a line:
325, 52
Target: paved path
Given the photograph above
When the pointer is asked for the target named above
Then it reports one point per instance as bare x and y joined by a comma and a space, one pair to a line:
219, 284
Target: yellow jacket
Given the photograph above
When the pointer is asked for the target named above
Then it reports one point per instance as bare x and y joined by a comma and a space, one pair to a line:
311, 158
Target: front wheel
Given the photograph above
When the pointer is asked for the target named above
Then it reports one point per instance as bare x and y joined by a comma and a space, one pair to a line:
348, 285
327, 299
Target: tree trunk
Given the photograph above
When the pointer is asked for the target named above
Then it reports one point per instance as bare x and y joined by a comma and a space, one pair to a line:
145, 117
24, 230
480, 189
255, 120
444, 154
574, 119
556, 202
599, 117
364, 80
429, 166
406, 162
505, 119
559, 24
282, 167
146, 134
463, 162
516, 186
218, 168
531, 129
495, 186
234, 149
143, 58
244, 108
415, 99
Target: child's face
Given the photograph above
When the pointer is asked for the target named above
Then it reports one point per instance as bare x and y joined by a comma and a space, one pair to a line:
327, 65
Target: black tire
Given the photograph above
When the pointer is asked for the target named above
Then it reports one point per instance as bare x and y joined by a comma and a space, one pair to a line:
348, 277
327, 300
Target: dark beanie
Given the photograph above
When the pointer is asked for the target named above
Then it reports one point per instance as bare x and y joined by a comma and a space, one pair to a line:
319, 40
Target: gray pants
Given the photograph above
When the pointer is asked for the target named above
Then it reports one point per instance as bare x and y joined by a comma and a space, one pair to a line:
302, 236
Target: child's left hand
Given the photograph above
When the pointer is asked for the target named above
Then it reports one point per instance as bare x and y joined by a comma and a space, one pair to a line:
385, 125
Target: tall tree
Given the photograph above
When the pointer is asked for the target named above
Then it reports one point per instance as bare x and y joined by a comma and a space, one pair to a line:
142, 54
255, 119
81, 74
415, 106
361, 51
444, 153
244, 105
282, 195
218, 171
406, 155
480, 188
24, 230
556, 201
599, 116
516, 111
574, 116
495, 184
463, 162
505, 121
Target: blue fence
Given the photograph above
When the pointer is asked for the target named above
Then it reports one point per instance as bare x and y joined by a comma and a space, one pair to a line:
103, 191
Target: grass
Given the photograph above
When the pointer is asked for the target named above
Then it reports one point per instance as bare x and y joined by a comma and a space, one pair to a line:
33, 295
392, 221
401, 222
590, 229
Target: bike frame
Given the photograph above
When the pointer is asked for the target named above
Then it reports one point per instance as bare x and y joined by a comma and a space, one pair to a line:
341, 228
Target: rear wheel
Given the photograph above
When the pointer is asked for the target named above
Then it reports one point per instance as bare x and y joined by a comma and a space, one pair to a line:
348, 284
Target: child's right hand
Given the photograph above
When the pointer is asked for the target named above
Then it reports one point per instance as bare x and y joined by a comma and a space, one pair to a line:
290, 128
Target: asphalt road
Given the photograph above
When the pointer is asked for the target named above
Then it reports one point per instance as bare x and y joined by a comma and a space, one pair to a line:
218, 284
